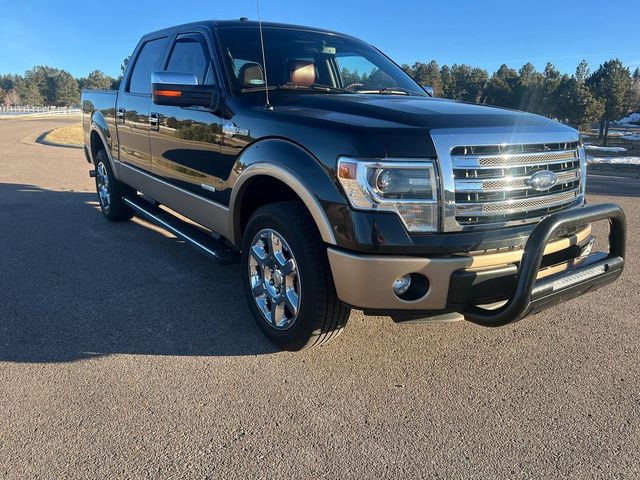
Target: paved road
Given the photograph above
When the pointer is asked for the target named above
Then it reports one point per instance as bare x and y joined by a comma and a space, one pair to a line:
125, 354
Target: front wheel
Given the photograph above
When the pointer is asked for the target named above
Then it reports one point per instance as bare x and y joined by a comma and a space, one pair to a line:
287, 278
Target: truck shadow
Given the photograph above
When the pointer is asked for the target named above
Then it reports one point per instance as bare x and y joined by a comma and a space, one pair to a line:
75, 286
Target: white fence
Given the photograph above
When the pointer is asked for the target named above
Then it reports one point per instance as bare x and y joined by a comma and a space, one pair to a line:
38, 111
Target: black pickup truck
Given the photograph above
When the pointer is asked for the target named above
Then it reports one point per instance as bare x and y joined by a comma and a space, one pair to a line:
337, 181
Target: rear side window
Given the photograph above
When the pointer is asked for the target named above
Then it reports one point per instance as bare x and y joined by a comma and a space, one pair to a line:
147, 62
190, 55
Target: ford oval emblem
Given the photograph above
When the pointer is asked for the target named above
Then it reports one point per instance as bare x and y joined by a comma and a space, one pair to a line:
543, 180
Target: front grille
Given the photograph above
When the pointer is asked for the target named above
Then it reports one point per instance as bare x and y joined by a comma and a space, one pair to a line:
492, 182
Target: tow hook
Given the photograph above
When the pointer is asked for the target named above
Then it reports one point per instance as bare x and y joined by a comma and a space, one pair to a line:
92, 173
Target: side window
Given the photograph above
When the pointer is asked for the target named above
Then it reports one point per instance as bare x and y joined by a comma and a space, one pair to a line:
191, 55
148, 61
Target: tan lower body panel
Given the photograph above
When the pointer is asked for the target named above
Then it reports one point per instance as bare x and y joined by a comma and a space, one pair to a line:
366, 281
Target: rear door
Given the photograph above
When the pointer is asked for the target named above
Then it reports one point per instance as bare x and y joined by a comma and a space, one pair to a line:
185, 145
134, 99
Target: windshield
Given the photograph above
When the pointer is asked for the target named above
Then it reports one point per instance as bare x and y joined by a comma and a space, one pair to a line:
302, 60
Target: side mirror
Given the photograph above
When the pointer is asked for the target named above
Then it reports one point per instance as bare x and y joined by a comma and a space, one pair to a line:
429, 90
182, 90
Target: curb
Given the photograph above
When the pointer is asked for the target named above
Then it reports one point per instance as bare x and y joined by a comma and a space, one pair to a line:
43, 141
40, 141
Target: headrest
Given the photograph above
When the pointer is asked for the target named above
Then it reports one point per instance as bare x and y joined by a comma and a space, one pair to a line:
303, 73
251, 75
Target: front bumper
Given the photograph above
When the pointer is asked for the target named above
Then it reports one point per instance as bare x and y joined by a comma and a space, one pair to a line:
542, 274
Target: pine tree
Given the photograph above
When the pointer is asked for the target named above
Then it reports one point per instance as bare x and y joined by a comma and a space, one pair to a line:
549, 91
428, 74
529, 89
501, 88
97, 81
124, 64
30, 88
408, 70
612, 84
636, 91
468, 83
448, 82
576, 104
66, 92
582, 72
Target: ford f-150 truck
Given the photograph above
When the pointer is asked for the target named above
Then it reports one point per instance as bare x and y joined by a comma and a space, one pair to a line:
339, 182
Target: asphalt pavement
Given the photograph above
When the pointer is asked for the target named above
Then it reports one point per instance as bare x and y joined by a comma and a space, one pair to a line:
126, 354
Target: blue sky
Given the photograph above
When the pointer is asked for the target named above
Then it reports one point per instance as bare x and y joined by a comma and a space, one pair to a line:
81, 36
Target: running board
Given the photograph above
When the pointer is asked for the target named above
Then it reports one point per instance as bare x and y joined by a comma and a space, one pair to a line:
191, 234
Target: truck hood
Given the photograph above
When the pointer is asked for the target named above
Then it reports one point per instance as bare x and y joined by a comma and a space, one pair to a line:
402, 112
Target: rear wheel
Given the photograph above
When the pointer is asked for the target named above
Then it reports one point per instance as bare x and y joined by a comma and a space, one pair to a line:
110, 191
287, 278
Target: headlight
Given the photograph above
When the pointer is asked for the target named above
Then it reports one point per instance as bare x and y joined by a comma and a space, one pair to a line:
407, 188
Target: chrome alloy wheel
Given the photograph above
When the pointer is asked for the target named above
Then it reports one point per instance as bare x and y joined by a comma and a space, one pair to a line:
104, 193
274, 279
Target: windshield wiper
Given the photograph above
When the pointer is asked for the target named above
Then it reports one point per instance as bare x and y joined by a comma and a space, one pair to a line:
316, 86
390, 91
293, 86
260, 88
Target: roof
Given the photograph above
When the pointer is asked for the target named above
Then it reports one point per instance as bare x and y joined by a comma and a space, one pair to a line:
240, 23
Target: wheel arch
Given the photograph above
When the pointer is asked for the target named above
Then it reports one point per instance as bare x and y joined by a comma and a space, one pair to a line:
290, 169
99, 139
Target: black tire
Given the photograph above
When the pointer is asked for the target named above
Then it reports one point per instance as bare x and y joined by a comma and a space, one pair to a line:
110, 197
321, 315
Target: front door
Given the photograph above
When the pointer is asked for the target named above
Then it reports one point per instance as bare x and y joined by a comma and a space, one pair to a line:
185, 141
134, 100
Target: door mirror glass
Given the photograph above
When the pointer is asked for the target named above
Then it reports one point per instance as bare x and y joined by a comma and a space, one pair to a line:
429, 90
182, 90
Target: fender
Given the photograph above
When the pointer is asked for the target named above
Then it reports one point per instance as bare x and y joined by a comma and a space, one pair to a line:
99, 125
294, 166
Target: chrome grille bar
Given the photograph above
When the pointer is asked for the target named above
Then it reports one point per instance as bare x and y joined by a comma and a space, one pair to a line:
514, 206
508, 183
532, 159
526, 158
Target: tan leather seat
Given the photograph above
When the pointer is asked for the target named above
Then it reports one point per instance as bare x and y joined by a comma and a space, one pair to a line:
251, 75
303, 73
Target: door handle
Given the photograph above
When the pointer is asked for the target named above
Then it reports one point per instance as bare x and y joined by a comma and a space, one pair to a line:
120, 114
154, 121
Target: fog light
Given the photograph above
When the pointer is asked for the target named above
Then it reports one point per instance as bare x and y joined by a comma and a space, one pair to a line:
401, 285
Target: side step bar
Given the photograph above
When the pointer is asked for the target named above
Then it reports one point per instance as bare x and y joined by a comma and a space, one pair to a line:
194, 236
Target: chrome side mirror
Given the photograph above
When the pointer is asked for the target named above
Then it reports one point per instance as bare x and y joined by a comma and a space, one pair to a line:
174, 78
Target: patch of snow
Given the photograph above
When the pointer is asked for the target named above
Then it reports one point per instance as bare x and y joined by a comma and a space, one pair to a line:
606, 149
634, 137
614, 160
632, 117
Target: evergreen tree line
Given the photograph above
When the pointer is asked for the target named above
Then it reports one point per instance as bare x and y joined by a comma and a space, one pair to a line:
579, 100
48, 86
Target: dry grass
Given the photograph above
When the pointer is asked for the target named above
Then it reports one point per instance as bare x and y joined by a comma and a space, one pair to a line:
68, 135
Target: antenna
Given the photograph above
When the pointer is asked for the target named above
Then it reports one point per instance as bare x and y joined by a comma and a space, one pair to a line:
268, 105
